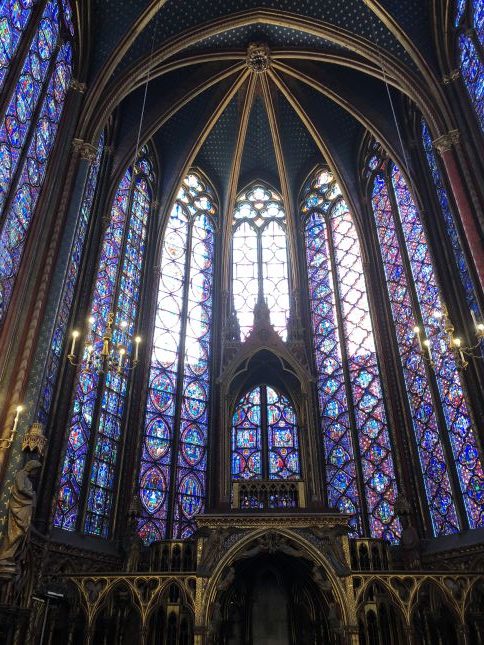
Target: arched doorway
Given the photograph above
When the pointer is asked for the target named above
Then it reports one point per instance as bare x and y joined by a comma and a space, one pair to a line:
274, 599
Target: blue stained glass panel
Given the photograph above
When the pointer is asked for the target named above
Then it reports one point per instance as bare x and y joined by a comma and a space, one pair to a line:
134, 198
346, 363
179, 370
113, 399
472, 70
461, 433
16, 123
62, 319
247, 438
423, 413
14, 16
24, 200
449, 220
335, 423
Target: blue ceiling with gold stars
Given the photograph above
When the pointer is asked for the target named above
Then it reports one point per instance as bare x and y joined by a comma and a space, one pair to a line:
222, 30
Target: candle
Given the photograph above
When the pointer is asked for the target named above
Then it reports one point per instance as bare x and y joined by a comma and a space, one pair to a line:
122, 352
416, 331
75, 335
137, 341
17, 417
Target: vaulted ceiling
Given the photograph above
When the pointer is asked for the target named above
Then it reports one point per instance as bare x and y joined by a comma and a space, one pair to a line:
323, 89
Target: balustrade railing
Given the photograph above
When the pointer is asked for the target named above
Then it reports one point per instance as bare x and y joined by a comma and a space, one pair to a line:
268, 495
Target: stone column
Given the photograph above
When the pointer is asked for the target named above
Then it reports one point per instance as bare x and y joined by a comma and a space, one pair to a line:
445, 146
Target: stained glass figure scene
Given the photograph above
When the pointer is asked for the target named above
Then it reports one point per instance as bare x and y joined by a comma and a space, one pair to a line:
27, 142
174, 453
259, 258
265, 437
349, 382
438, 408
99, 400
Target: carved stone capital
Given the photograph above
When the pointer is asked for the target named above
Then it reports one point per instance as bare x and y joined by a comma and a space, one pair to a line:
452, 76
85, 150
258, 57
77, 86
446, 142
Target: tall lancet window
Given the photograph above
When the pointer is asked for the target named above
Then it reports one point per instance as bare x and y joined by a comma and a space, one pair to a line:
354, 429
172, 477
29, 124
444, 438
259, 257
469, 22
90, 467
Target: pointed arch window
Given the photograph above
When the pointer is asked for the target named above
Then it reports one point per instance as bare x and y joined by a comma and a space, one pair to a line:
469, 22
95, 434
260, 257
28, 128
354, 430
265, 436
172, 480
443, 432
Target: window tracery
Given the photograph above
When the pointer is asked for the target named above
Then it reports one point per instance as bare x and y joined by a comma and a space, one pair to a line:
174, 452
259, 257
436, 398
29, 126
95, 431
355, 436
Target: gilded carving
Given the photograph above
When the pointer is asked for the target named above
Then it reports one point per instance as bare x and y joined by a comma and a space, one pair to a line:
34, 439
446, 142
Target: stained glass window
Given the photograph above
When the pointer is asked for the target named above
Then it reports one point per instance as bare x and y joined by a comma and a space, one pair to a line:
354, 428
26, 142
449, 219
416, 302
174, 452
470, 25
265, 437
14, 16
54, 357
96, 428
259, 257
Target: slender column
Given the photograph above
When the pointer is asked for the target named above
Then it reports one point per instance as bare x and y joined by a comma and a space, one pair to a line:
444, 145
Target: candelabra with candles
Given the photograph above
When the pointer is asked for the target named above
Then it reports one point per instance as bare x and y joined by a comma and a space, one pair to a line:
460, 351
6, 442
108, 356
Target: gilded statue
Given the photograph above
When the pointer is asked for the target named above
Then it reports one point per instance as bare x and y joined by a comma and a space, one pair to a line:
20, 509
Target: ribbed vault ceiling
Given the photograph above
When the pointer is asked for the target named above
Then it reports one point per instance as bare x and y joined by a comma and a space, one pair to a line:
323, 90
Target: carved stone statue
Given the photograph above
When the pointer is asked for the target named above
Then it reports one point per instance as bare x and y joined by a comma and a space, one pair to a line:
20, 509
